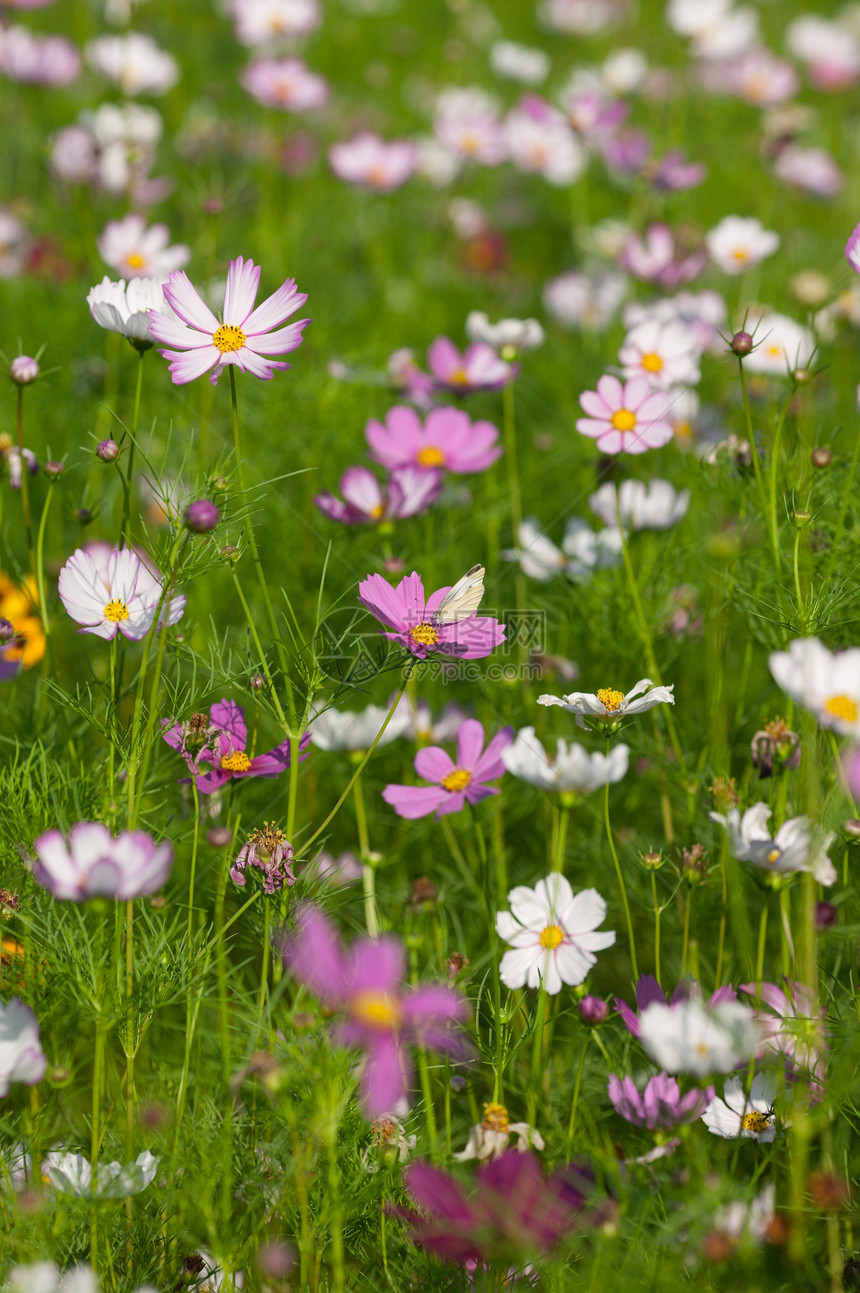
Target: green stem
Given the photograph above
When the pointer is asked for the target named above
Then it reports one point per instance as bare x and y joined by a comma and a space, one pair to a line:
762, 941
426, 1091
656, 926
577, 1084
336, 1213
621, 884
561, 840
128, 478
847, 496
774, 538
368, 872
95, 1138
774, 471
130, 1051
25, 484
41, 591
537, 1054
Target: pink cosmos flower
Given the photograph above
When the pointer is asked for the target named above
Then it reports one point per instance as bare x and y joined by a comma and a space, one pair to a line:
373, 162
448, 440
94, 863
38, 60
381, 1014
467, 125
456, 783
258, 21
113, 590
628, 418
137, 252
416, 626
514, 1210
660, 1105
812, 169
226, 752
649, 993
540, 139
791, 1026
673, 172
284, 83
409, 491
244, 338
21, 1055
478, 368
657, 258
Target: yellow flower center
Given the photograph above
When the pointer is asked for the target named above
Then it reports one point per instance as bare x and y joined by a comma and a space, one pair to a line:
457, 780
551, 937
739, 254
377, 176
116, 612
424, 634
228, 337
376, 512
755, 1121
774, 351
459, 377
238, 761
652, 363
135, 260
495, 1118
470, 144
842, 707
430, 456
610, 699
624, 420
683, 430
378, 1010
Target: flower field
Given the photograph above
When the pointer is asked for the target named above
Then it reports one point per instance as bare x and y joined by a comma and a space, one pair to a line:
429, 660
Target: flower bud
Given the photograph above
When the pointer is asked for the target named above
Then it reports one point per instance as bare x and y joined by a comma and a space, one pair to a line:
801, 519
23, 370
256, 682
802, 376
83, 516
821, 456
230, 554
593, 1010
107, 450
219, 837
741, 344
826, 915
653, 860
218, 485
201, 516
53, 469
7, 631
457, 1083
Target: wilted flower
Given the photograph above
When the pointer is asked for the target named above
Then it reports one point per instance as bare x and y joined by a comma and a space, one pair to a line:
750, 1116
73, 1174
381, 1014
93, 863
418, 627
270, 852
489, 1138
115, 593
660, 1105
553, 934
609, 706
227, 751
21, 1057
793, 848
455, 784
246, 337
775, 743
572, 769
448, 440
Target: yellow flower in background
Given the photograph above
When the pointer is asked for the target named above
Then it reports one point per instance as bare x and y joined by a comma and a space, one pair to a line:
18, 605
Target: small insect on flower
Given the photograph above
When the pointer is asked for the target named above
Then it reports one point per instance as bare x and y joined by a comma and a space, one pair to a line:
463, 599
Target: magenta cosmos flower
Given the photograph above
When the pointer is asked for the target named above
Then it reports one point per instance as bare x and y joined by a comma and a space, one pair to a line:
381, 1014
418, 627
626, 418
245, 337
514, 1210
448, 439
649, 993
456, 783
660, 1105
95, 864
223, 745
477, 368
409, 491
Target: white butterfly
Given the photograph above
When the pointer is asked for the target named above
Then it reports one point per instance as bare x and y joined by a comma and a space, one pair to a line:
463, 599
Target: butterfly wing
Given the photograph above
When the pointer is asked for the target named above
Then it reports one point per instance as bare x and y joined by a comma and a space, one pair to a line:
463, 599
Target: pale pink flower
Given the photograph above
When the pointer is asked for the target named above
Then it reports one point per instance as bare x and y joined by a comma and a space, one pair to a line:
258, 21
655, 257
467, 124
373, 162
625, 418
830, 51
738, 243
812, 169
284, 83
137, 252
477, 368
664, 353
38, 60
539, 139
134, 62
244, 338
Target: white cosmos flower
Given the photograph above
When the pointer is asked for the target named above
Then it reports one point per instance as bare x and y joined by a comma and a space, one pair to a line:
611, 706
137, 252
666, 353
583, 550
21, 1057
781, 344
519, 63
753, 1220
691, 1038
122, 307
738, 243
346, 730
73, 1174
134, 62
518, 334
571, 770
117, 595
793, 848
552, 932
652, 506
45, 1277
740, 1115
587, 300
826, 682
